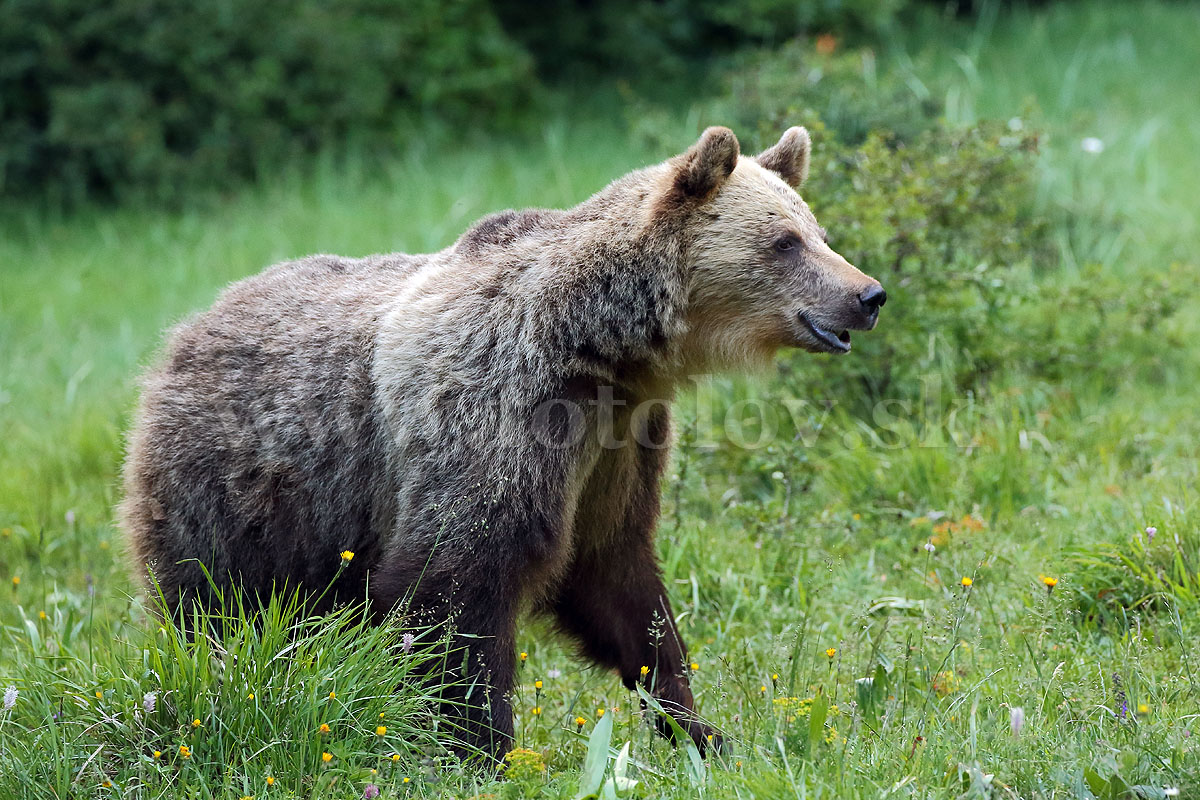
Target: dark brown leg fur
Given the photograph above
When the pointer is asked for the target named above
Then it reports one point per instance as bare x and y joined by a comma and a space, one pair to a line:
615, 604
612, 599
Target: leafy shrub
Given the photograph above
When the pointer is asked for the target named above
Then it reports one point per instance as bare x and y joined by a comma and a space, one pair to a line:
943, 222
666, 38
1101, 322
157, 95
768, 88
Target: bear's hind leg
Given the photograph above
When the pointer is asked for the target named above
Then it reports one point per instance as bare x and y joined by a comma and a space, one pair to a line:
474, 604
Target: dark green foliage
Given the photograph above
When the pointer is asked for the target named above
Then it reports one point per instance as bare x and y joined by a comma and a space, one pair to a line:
158, 98
158, 95
670, 36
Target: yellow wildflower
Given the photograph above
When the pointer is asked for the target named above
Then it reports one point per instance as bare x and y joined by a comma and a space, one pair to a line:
327, 757
158, 753
381, 730
831, 651
347, 556
185, 751
580, 722
946, 682
395, 756
645, 671
523, 763
324, 728
694, 666
536, 711
270, 780
966, 582
537, 684
599, 713
524, 655
196, 723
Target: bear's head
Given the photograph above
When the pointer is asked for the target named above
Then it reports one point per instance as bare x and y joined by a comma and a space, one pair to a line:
761, 273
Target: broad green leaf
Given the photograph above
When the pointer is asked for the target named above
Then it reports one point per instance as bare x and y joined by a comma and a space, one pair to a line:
696, 763
816, 719
596, 760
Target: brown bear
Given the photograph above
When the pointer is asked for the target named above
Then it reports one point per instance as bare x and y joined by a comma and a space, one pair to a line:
485, 427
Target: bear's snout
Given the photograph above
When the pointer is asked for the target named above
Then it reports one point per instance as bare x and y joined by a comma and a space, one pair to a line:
870, 300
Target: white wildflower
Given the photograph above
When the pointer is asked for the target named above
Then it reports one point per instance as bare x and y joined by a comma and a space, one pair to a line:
10, 698
1016, 719
70, 515
553, 673
929, 547
1015, 124
1092, 145
149, 700
406, 642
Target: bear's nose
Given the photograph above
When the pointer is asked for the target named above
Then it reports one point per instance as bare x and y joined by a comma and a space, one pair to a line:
873, 299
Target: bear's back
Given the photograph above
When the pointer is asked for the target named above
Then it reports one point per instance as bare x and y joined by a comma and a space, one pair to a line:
258, 447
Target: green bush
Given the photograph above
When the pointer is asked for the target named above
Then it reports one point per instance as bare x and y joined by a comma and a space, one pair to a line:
158, 96
768, 88
668, 38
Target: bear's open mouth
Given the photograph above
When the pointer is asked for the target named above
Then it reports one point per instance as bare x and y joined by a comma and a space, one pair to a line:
837, 342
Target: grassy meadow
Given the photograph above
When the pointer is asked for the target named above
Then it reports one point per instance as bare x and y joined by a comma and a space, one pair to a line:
963, 601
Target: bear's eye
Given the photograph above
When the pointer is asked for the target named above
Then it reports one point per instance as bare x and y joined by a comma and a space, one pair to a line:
786, 243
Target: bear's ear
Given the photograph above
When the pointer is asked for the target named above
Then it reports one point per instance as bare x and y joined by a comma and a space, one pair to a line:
789, 157
709, 162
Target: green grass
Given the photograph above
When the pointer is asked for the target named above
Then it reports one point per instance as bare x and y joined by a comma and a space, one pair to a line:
773, 555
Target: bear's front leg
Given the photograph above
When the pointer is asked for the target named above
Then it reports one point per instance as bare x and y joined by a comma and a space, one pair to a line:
616, 606
612, 598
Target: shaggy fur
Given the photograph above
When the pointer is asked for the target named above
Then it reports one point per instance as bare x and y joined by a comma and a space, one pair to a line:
484, 427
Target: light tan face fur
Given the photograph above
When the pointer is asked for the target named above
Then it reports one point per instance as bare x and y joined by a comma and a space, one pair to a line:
762, 273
